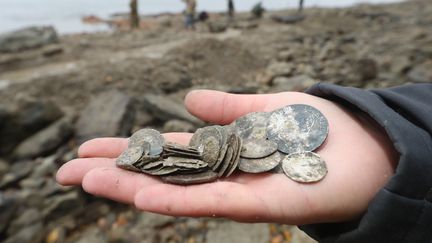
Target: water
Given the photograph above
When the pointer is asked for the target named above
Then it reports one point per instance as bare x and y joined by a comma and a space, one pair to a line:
66, 15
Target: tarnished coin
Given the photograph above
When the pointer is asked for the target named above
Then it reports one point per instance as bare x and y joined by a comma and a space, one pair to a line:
202, 133
257, 148
260, 165
304, 167
297, 128
235, 158
164, 171
129, 157
186, 179
148, 135
185, 163
252, 125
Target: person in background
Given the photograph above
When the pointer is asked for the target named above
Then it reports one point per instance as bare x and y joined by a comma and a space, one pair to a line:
231, 9
190, 14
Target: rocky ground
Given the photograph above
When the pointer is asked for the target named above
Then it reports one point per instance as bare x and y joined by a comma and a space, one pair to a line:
56, 92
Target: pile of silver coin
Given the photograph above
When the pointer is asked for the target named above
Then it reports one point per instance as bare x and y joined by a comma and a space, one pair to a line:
280, 141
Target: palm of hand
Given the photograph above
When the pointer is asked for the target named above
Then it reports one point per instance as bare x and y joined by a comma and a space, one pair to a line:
358, 158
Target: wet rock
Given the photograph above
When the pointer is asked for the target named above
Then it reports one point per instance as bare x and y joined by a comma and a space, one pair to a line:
297, 83
288, 19
45, 141
171, 78
4, 168
367, 69
178, 126
56, 207
92, 234
167, 109
245, 25
17, 172
32, 183
25, 219
25, 120
8, 206
45, 167
27, 38
108, 114
32, 233
421, 73
217, 26
228, 231
277, 69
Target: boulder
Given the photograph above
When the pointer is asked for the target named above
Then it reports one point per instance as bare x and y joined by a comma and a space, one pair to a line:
23, 121
296, 83
421, 73
166, 109
45, 141
27, 38
229, 231
108, 114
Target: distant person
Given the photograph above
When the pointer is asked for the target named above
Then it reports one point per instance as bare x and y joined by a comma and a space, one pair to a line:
203, 16
231, 8
300, 6
190, 14
258, 10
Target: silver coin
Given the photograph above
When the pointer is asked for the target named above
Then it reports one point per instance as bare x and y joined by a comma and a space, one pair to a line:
235, 158
164, 171
185, 163
148, 135
304, 167
187, 179
252, 125
129, 157
228, 155
260, 165
257, 148
297, 128
202, 133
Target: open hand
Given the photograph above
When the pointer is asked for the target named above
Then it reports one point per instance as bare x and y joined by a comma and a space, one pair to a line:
360, 159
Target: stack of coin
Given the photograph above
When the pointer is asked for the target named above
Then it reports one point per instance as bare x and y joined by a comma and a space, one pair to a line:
282, 140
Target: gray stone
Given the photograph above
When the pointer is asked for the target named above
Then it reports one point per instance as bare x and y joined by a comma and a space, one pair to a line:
152, 220
296, 83
229, 231
8, 206
217, 26
56, 207
32, 233
167, 109
45, 141
17, 172
93, 235
25, 120
32, 183
276, 69
27, 218
27, 38
4, 168
108, 114
45, 167
178, 126
421, 73
366, 69
171, 77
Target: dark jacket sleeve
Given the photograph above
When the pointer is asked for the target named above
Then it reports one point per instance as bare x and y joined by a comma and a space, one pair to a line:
402, 210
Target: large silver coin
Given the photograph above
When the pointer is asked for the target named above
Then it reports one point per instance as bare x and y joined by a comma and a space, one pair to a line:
304, 167
257, 148
260, 165
252, 125
297, 128
208, 140
148, 135
129, 157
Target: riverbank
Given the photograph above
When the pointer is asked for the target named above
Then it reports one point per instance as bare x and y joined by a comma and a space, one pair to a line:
47, 91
